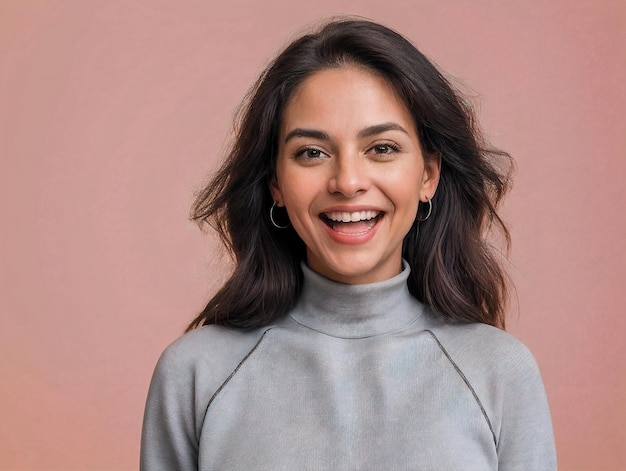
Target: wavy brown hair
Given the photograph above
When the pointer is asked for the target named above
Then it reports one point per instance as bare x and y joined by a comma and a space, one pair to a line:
454, 270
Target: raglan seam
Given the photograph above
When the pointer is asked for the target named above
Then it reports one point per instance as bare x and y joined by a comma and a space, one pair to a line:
234, 372
467, 383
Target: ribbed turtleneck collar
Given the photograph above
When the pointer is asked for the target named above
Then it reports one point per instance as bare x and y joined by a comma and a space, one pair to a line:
356, 311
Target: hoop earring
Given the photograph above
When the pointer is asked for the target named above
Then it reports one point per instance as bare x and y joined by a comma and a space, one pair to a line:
277, 226
430, 210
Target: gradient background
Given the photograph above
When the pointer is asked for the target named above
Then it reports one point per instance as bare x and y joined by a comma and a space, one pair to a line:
112, 113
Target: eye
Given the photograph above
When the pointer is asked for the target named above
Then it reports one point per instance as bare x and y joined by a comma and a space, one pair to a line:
386, 148
309, 153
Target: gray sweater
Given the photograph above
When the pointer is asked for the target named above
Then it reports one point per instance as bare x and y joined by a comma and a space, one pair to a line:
355, 377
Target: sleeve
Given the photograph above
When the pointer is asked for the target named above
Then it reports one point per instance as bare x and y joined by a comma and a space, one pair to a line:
526, 440
168, 440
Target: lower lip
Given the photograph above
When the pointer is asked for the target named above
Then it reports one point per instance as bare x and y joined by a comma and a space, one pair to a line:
353, 239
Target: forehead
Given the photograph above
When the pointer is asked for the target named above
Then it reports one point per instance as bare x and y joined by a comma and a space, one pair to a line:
346, 97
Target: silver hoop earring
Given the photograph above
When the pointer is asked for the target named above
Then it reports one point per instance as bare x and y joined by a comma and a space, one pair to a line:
277, 226
430, 210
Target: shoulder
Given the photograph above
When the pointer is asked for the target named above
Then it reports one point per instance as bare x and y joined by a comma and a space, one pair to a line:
483, 347
188, 374
209, 351
492, 363
192, 370
503, 376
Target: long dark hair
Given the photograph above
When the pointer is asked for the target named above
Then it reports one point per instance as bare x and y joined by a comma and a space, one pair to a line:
454, 271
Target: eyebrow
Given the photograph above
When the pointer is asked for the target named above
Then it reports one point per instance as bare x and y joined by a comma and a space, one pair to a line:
381, 128
367, 132
313, 133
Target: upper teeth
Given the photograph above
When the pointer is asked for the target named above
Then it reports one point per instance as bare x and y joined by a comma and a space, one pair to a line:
352, 217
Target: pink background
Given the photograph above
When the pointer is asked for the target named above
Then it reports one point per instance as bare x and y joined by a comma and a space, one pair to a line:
112, 113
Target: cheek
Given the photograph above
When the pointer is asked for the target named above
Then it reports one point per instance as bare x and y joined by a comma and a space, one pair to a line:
406, 202
284, 183
297, 202
299, 188
405, 185
299, 213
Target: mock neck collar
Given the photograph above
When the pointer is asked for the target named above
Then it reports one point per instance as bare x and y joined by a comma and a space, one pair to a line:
356, 311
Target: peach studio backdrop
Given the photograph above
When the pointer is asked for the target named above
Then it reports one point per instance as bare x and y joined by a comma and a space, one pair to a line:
112, 113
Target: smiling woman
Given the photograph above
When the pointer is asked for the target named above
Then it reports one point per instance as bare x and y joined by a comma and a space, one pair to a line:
362, 325
351, 181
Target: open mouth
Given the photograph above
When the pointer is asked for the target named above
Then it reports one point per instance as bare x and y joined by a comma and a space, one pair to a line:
351, 223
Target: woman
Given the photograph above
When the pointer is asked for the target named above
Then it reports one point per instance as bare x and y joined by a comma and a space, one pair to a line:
362, 325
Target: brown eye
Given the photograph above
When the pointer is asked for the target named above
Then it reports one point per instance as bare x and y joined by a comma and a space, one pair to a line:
310, 153
385, 149
313, 153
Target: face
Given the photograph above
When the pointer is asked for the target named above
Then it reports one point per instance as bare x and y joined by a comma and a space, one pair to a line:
350, 172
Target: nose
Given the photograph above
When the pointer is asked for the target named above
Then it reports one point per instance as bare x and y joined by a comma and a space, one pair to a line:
349, 176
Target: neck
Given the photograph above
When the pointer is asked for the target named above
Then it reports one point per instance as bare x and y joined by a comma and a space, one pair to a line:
356, 311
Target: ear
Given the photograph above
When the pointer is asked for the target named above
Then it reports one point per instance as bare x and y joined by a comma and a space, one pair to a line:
277, 195
430, 178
